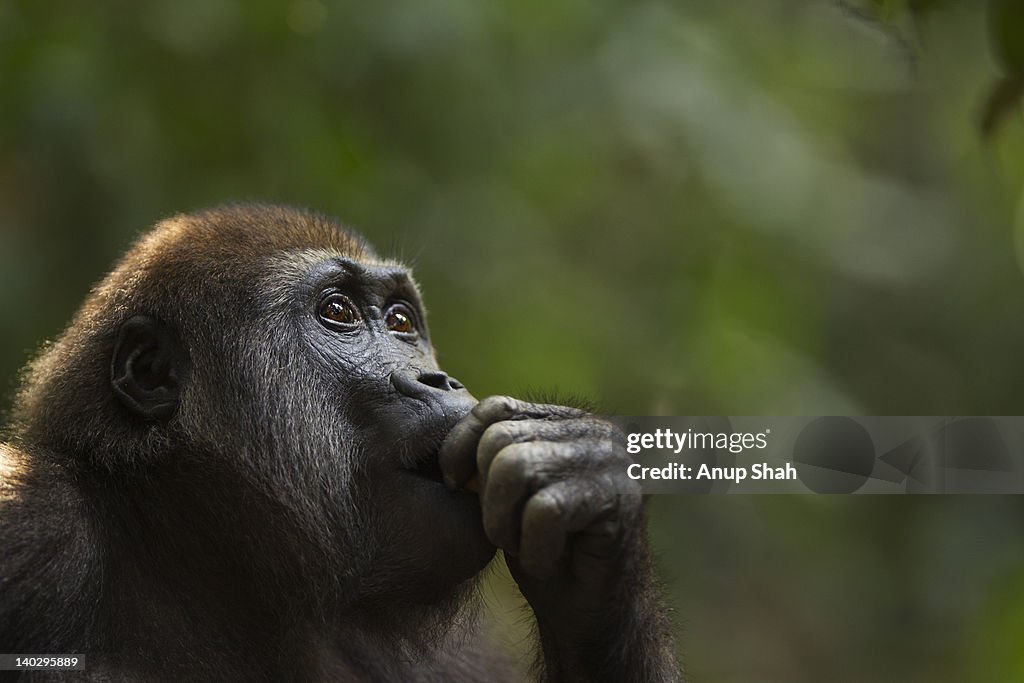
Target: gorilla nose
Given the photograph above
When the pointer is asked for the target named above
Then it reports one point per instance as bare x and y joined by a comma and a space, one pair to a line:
440, 380
424, 384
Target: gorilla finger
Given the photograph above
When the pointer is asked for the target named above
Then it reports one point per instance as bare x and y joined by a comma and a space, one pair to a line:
552, 514
503, 434
515, 473
457, 456
497, 408
503, 497
543, 533
600, 537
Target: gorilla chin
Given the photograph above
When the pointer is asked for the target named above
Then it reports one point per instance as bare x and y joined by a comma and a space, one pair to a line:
438, 538
436, 534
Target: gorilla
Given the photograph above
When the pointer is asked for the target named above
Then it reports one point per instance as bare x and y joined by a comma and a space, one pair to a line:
241, 462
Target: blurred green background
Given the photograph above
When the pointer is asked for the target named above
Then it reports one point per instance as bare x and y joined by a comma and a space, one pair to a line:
745, 207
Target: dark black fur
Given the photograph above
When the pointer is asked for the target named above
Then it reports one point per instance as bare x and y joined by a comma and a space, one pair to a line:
206, 481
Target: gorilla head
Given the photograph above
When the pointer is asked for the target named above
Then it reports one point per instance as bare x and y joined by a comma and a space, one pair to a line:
267, 377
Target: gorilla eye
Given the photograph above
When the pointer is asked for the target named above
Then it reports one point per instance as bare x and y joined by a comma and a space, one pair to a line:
400, 319
338, 310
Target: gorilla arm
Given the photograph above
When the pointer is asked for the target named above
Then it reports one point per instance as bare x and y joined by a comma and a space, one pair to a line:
556, 498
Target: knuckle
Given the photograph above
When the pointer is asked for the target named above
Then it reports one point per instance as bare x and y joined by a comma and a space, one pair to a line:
615, 435
588, 454
618, 481
606, 431
497, 437
546, 504
614, 454
510, 463
618, 457
497, 408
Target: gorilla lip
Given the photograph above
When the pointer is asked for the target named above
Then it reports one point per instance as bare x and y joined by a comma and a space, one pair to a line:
422, 460
420, 457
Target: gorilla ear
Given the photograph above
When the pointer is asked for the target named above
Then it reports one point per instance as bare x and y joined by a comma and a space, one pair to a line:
147, 369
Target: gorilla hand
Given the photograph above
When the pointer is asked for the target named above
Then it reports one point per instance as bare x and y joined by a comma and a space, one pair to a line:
557, 499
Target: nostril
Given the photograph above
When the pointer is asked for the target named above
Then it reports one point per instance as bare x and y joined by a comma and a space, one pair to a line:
438, 380
421, 385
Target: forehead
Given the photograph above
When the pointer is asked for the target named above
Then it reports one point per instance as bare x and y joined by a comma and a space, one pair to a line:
304, 272
323, 263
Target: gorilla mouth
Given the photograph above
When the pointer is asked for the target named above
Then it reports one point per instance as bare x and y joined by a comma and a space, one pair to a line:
422, 461
421, 451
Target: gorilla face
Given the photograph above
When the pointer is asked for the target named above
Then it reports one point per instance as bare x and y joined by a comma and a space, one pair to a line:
362, 328
309, 378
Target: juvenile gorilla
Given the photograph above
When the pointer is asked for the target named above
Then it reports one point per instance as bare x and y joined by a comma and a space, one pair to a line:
240, 462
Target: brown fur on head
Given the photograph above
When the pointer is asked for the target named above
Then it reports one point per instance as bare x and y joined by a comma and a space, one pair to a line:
194, 272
